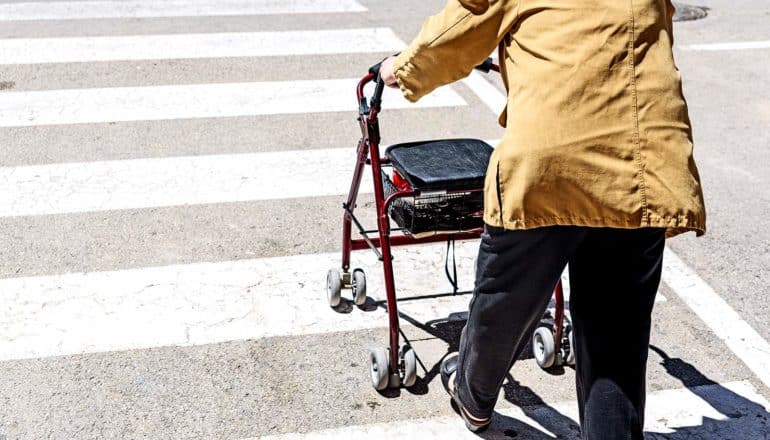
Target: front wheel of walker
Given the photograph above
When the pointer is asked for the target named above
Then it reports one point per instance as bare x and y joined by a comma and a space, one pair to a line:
543, 347
359, 287
378, 368
333, 287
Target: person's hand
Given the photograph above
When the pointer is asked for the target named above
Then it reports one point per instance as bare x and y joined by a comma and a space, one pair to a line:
387, 74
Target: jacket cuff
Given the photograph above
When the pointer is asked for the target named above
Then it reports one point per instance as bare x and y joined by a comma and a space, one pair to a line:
404, 70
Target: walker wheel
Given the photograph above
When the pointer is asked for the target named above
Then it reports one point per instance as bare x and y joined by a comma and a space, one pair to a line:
378, 368
543, 347
333, 287
408, 370
359, 287
570, 359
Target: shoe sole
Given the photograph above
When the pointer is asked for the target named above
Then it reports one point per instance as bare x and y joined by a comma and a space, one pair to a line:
460, 408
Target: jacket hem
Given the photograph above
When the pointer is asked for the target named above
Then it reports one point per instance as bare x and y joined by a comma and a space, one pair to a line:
674, 225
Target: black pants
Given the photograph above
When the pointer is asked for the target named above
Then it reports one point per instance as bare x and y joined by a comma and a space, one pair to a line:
614, 275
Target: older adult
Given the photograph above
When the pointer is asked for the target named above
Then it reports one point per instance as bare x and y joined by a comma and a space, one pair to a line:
595, 169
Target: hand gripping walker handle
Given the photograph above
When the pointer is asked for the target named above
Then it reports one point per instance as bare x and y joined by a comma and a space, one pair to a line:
487, 66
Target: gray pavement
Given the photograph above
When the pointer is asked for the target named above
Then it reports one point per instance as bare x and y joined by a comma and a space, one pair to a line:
305, 383
729, 96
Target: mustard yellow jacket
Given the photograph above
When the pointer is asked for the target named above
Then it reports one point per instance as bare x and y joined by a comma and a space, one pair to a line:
597, 128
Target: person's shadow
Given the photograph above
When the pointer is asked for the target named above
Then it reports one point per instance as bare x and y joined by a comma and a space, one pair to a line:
745, 419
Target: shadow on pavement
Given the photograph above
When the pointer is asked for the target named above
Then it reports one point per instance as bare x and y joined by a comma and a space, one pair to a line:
503, 427
745, 419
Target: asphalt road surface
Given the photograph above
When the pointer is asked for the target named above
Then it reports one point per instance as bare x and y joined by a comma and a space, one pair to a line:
171, 179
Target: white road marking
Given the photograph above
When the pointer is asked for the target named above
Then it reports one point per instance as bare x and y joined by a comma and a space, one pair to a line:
214, 45
76, 10
747, 344
174, 181
212, 302
487, 92
79, 106
146, 183
739, 45
730, 410
206, 303
740, 337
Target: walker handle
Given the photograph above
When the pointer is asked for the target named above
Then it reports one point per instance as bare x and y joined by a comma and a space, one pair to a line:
375, 69
487, 65
376, 100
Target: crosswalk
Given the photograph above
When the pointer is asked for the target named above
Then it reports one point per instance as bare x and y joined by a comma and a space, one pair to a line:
188, 101
247, 347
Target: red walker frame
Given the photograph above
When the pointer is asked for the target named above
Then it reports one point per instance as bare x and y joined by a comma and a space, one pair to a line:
399, 362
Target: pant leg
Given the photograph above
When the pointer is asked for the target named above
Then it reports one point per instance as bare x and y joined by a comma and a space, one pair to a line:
614, 276
515, 277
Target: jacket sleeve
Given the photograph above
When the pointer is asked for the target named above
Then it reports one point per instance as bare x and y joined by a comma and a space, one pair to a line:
451, 43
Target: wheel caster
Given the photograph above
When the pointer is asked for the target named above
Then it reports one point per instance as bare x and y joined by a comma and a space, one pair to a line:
543, 347
378, 368
570, 359
359, 287
333, 287
408, 370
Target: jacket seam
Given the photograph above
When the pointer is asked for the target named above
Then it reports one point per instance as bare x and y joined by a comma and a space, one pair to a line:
449, 28
637, 134
499, 193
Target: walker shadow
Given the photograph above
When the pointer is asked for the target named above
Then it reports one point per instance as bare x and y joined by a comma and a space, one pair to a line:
503, 427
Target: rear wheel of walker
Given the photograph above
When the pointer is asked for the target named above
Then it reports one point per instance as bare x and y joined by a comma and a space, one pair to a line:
359, 287
543, 347
408, 372
378, 368
333, 287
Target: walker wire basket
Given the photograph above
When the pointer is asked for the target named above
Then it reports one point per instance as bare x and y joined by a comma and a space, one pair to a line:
435, 212
448, 179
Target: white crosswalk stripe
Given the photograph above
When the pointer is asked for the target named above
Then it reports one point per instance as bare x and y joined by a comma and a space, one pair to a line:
150, 103
177, 46
74, 10
146, 183
173, 181
69, 324
208, 302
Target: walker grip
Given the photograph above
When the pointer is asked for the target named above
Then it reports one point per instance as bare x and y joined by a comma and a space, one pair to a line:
375, 70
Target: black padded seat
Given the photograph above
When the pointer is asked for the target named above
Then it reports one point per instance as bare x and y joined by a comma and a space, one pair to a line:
447, 164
